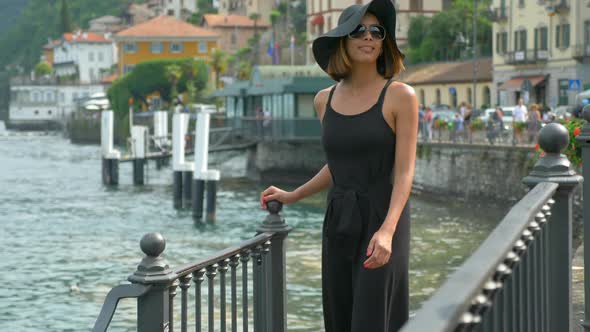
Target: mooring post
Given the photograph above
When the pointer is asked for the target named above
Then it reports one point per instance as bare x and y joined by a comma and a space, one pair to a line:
139, 134
110, 156
180, 167
202, 175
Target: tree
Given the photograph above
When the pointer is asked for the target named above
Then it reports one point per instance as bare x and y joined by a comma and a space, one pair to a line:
65, 20
256, 39
218, 64
158, 76
244, 70
173, 72
43, 68
447, 35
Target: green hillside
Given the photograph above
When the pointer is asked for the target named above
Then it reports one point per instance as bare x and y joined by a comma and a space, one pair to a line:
10, 10
39, 20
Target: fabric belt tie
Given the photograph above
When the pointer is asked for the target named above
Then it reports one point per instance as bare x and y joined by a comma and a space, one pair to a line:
349, 225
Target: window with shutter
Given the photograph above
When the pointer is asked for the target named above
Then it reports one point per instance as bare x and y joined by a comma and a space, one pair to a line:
566, 35
558, 36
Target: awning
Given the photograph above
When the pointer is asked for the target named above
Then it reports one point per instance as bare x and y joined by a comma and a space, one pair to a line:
317, 20
515, 84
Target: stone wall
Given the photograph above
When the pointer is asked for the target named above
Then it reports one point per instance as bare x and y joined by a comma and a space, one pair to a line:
473, 171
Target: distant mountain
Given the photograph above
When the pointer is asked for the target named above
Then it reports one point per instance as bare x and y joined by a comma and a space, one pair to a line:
11, 10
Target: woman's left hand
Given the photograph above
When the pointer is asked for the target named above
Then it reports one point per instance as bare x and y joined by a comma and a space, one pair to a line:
379, 249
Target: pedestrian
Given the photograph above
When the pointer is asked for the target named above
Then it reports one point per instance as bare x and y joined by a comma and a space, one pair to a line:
429, 120
259, 117
370, 153
519, 119
467, 123
421, 126
459, 128
533, 123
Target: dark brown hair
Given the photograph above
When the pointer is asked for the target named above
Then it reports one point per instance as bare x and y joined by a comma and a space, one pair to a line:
389, 63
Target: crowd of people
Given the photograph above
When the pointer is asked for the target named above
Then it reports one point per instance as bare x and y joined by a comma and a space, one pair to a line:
526, 123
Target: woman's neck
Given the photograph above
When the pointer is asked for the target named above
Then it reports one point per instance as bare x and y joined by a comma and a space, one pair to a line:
362, 76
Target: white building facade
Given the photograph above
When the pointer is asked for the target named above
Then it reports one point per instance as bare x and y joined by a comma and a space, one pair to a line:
85, 57
36, 102
322, 16
541, 51
181, 9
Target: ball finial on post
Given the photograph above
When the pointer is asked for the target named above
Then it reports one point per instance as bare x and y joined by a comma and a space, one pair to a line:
152, 244
554, 138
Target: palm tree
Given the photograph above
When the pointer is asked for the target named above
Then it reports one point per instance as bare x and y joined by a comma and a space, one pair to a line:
173, 72
218, 64
255, 17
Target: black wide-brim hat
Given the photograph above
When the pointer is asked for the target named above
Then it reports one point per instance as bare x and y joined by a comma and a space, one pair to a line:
325, 45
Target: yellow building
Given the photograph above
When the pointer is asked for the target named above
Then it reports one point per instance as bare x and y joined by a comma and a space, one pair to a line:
163, 37
451, 83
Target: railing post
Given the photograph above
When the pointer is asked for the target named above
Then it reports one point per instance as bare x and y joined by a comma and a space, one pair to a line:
584, 141
555, 167
277, 309
153, 308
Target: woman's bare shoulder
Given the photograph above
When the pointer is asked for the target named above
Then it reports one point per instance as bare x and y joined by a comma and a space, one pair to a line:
320, 100
400, 95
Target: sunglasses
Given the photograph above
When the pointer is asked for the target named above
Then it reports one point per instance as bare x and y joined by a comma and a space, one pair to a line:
376, 31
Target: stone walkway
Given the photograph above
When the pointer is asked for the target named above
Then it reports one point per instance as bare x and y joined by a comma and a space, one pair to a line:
578, 289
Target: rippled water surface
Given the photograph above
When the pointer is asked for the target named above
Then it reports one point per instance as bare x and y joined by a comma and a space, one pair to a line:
66, 240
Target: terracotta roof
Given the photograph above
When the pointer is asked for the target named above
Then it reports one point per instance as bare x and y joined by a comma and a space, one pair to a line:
165, 26
85, 37
447, 72
231, 20
109, 79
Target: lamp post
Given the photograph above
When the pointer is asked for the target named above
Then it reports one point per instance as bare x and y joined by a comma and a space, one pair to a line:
474, 55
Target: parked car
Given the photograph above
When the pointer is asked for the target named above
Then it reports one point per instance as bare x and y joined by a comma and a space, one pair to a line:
444, 115
563, 112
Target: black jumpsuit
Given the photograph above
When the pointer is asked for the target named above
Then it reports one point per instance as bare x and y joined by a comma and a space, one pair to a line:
360, 150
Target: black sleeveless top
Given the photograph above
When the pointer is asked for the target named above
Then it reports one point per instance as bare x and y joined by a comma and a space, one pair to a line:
360, 152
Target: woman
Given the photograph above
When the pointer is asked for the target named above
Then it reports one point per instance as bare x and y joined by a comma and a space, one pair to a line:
533, 122
369, 134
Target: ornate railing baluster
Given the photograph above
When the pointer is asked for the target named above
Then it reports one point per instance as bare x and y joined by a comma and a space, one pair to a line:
171, 294
266, 288
185, 283
211, 273
256, 278
543, 304
244, 258
222, 270
535, 250
198, 280
234, 262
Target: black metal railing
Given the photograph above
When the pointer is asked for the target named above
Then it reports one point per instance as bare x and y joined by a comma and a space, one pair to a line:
261, 260
500, 14
582, 51
274, 129
519, 279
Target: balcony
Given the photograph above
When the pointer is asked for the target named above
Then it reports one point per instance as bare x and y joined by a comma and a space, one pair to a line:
527, 57
562, 8
500, 15
581, 51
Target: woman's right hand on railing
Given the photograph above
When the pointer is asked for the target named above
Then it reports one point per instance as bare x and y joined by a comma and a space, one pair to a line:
273, 193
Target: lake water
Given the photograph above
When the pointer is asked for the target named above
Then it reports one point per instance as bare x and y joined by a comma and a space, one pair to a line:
66, 240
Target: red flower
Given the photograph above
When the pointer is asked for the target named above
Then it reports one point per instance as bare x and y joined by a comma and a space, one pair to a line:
543, 154
537, 147
577, 131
